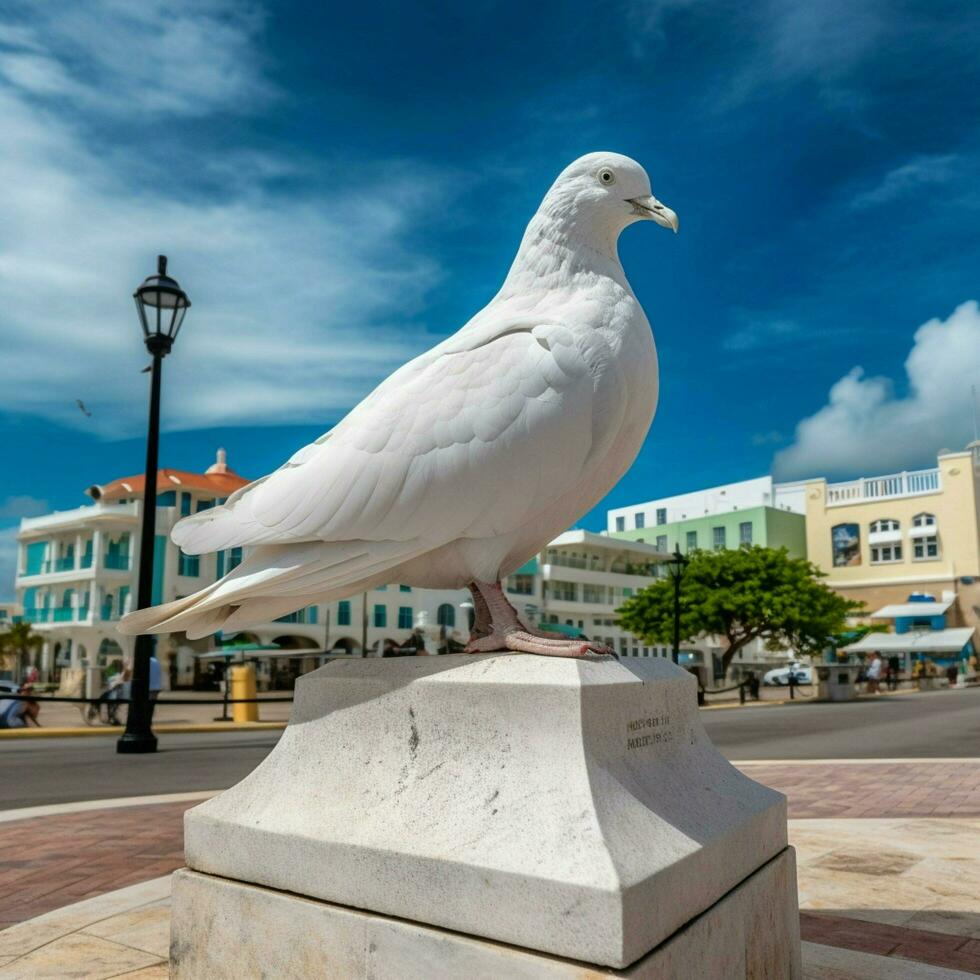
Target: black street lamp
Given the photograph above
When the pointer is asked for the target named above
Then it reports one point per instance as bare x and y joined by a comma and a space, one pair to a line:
675, 569
161, 305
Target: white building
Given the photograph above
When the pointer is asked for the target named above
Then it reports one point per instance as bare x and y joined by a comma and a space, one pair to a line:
579, 581
77, 572
744, 495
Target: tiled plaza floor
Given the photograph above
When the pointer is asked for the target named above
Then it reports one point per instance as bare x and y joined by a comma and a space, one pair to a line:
886, 789
889, 875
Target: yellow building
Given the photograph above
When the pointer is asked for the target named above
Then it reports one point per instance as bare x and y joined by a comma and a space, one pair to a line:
882, 539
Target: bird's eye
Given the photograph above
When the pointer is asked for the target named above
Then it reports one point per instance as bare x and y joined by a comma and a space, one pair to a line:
606, 177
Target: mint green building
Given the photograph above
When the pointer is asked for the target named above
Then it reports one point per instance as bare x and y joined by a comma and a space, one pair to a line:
751, 512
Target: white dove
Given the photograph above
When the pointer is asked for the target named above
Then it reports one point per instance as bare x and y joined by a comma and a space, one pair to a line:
468, 460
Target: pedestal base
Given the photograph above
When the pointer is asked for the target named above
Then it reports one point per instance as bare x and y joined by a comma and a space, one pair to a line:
575, 807
226, 929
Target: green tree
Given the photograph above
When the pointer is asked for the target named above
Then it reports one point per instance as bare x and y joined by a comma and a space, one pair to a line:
745, 594
17, 642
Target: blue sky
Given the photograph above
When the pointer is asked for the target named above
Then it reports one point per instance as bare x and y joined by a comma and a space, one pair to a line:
340, 188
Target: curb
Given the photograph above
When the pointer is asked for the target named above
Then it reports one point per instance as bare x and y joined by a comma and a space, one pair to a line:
79, 732
111, 803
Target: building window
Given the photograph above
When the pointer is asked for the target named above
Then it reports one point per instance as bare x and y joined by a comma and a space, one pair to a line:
885, 524
620, 523
343, 613
925, 548
718, 538
692, 540
661, 542
845, 545
639, 520
404, 588
381, 616
661, 515
593, 593
234, 558
404, 617
521, 584
924, 520
745, 532
219, 564
185, 504
189, 565
168, 499
564, 591
446, 616
882, 554
204, 505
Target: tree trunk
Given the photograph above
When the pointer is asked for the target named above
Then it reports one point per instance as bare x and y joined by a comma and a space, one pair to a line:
733, 647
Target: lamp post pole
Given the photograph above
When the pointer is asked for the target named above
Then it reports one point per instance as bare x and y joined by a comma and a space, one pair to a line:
161, 305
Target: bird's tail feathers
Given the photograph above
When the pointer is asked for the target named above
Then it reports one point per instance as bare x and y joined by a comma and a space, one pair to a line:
274, 581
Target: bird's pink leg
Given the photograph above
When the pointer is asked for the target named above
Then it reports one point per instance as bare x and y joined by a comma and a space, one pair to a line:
498, 627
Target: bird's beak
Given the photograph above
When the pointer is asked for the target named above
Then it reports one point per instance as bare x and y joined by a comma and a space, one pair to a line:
650, 207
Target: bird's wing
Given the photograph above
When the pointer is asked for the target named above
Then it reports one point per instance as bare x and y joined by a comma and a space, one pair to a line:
467, 440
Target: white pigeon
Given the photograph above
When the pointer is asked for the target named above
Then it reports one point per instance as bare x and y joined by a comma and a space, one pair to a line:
468, 460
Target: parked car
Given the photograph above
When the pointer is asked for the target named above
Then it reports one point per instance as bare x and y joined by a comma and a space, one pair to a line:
779, 676
9, 687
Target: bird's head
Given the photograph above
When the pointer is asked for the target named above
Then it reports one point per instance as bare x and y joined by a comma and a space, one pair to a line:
605, 192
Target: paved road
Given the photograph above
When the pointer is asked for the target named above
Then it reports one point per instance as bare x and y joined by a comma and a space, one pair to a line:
939, 724
37, 771
934, 724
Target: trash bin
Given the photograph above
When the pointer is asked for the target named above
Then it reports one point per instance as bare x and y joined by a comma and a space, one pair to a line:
837, 682
243, 686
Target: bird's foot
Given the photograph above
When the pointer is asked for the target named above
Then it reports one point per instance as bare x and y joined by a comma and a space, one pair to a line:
526, 641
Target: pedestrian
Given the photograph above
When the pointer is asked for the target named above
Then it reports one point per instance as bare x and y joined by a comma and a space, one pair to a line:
952, 671
894, 670
874, 673
156, 683
15, 713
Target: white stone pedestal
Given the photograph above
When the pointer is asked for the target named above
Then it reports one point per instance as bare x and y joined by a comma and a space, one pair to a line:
567, 807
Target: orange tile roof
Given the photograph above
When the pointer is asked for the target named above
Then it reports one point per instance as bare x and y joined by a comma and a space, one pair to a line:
220, 484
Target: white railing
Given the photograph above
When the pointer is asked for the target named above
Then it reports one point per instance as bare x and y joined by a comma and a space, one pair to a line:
79, 515
883, 487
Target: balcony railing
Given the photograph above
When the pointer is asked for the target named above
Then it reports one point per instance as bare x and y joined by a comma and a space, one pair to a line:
83, 612
63, 614
562, 595
883, 487
37, 615
86, 561
119, 562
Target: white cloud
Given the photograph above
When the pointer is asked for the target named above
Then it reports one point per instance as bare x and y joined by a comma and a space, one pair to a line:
185, 57
761, 330
301, 303
23, 506
649, 16
897, 183
821, 44
865, 428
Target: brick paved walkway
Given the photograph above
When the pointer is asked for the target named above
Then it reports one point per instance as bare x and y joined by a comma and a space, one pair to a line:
49, 862
920, 945
906, 789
